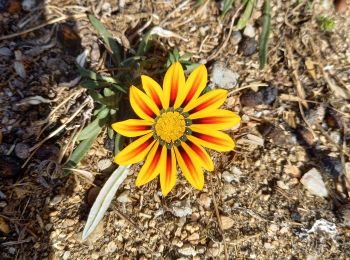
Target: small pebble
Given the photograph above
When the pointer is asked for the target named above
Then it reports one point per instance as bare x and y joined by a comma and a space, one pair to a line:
92, 195
181, 208
187, 250
312, 181
66, 255
249, 31
124, 197
226, 222
248, 46
204, 200
22, 150
223, 77
228, 177
236, 37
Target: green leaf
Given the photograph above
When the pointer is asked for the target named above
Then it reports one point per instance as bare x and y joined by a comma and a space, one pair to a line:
104, 199
80, 152
95, 126
145, 44
227, 6
264, 38
244, 19
91, 84
94, 76
107, 38
118, 143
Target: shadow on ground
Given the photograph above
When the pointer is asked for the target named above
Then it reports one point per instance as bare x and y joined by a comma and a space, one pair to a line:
33, 67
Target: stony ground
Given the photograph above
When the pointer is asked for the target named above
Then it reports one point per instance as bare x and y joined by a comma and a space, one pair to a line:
283, 193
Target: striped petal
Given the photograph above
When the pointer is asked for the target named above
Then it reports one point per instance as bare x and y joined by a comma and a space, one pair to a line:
167, 170
200, 153
153, 90
195, 84
143, 105
150, 169
218, 119
136, 151
133, 127
209, 101
173, 86
212, 139
190, 167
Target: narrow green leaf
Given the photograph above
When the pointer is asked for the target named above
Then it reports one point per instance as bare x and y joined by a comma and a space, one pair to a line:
80, 152
244, 19
107, 38
95, 126
104, 199
227, 6
264, 38
145, 44
91, 84
118, 143
94, 76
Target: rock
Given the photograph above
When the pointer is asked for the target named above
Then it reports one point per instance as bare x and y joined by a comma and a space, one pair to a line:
92, 195
215, 250
9, 166
223, 77
228, 190
28, 5
105, 165
181, 208
4, 51
226, 222
57, 199
193, 238
335, 136
204, 200
249, 31
312, 181
315, 115
111, 247
248, 46
292, 171
22, 150
264, 96
124, 197
282, 185
340, 6
4, 227
187, 250
47, 152
66, 255
236, 37
228, 177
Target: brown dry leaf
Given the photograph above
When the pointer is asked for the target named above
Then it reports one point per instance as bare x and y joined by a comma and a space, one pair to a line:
227, 222
4, 227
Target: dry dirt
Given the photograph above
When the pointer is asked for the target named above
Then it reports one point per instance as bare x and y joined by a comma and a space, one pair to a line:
252, 207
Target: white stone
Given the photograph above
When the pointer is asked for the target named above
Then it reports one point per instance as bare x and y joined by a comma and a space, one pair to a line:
28, 5
312, 181
111, 247
222, 77
228, 177
124, 197
66, 255
181, 209
249, 31
187, 250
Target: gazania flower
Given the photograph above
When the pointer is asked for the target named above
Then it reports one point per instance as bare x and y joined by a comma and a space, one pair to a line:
175, 125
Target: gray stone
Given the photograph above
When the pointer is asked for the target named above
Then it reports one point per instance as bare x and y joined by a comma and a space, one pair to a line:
312, 181
222, 77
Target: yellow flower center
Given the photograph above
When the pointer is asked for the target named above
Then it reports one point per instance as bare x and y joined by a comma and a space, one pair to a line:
170, 126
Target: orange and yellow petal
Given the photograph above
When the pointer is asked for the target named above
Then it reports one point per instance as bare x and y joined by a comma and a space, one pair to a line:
195, 84
136, 151
218, 119
211, 139
173, 85
150, 169
167, 170
202, 156
190, 166
143, 105
153, 90
209, 101
133, 127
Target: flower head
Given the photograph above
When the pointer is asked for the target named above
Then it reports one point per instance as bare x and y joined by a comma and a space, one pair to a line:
176, 123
